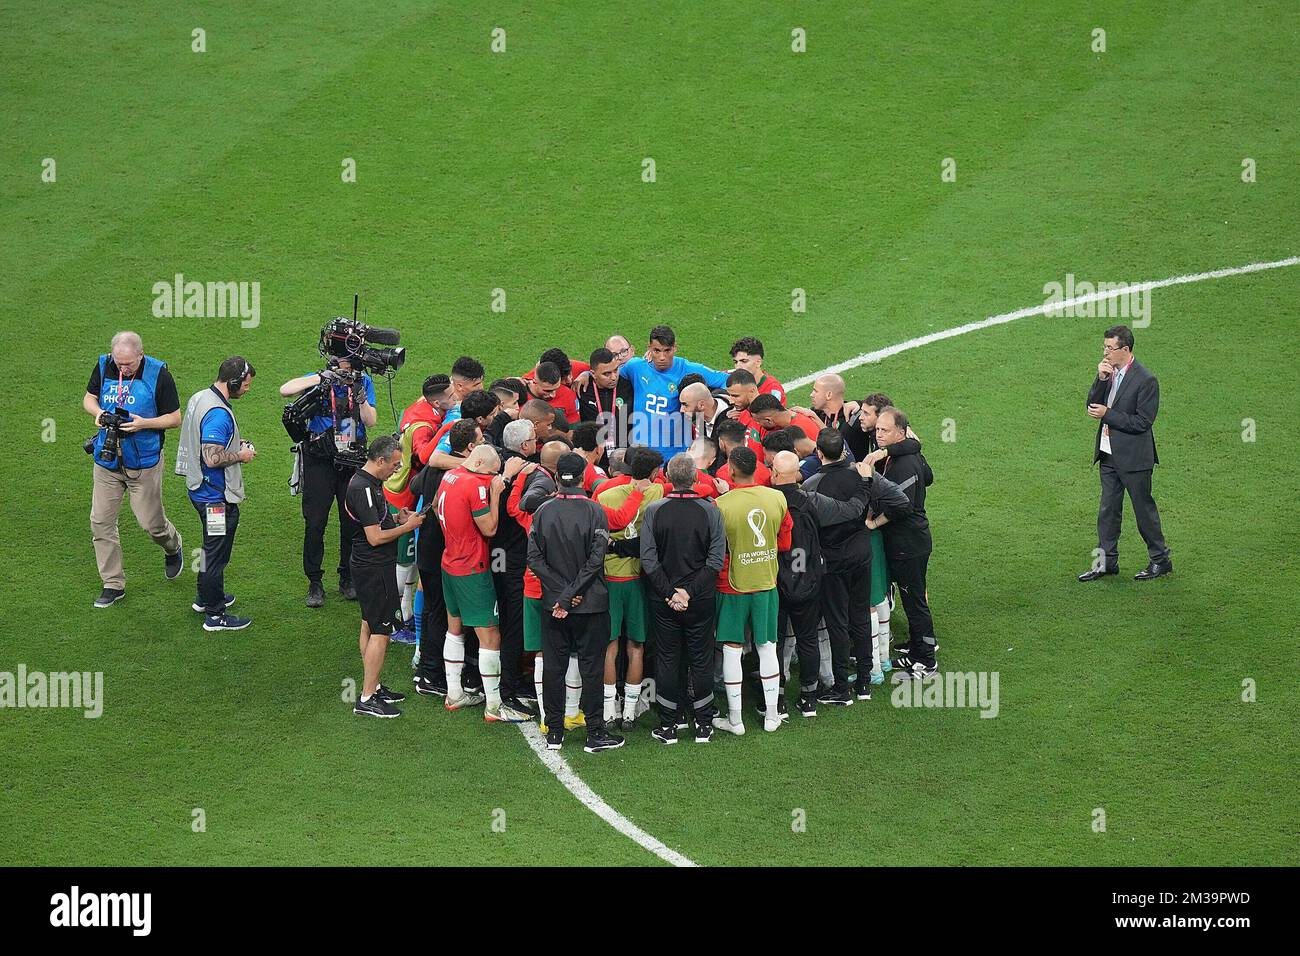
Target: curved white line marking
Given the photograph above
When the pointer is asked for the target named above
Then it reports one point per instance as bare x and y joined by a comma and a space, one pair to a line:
1005, 317
592, 800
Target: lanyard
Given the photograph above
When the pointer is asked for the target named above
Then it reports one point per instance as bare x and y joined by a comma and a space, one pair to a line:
118, 399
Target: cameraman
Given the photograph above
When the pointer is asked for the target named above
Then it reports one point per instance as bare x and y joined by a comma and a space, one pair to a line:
348, 409
133, 399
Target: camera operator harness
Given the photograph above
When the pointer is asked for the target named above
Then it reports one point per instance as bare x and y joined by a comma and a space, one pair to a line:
367, 349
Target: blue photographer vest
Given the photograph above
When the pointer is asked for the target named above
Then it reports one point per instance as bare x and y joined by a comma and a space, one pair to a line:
144, 448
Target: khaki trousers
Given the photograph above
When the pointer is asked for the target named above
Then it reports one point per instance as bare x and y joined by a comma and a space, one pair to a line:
145, 488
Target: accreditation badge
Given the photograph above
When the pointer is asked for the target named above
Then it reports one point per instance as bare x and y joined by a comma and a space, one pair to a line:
216, 520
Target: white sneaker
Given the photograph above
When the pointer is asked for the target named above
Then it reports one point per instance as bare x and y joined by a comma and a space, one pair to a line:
506, 714
771, 725
724, 723
464, 700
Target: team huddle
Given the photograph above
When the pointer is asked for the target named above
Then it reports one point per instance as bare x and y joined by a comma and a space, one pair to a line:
635, 517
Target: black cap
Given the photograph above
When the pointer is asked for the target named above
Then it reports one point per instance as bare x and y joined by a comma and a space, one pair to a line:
570, 468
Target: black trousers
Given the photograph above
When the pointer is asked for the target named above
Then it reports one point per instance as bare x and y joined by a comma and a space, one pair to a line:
683, 636
909, 575
323, 484
216, 555
846, 605
433, 635
509, 586
433, 627
803, 619
585, 635
1110, 513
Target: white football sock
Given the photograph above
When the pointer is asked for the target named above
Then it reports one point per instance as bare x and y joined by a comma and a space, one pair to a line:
825, 670
489, 666
611, 704
453, 658
537, 685
572, 688
631, 694
881, 613
769, 672
875, 645
407, 575
732, 676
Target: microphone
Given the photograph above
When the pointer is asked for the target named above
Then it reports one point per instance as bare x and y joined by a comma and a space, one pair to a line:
380, 336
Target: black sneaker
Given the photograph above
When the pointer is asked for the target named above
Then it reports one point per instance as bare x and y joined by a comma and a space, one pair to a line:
703, 731
836, 698
196, 606
315, 594
519, 705
347, 590
428, 687
555, 738
376, 706
389, 696
862, 690
908, 668
109, 596
225, 622
807, 705
666, 733
627, 724
780, 707
174, 564
598, 740
684, 724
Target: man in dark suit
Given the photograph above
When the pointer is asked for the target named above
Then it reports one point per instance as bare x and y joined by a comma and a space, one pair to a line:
1125, 398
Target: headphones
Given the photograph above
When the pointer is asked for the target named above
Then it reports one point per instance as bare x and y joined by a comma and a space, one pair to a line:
234, 383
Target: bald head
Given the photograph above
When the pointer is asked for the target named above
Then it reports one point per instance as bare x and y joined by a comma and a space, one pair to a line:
551, 452
828, 393
127, 351
702, 452
484, 460
696, 398
621, 348
785, 468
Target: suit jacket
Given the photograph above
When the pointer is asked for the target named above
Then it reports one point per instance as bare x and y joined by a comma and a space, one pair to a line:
1132, 443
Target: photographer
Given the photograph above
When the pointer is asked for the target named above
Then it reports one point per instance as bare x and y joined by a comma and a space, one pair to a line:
211, 455
330, 457
133, 399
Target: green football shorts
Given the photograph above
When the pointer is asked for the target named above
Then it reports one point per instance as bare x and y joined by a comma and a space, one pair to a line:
627, 609
471, 598
757, 609
532, 624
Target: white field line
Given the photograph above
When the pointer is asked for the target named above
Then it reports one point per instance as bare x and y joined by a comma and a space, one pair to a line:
592, 800
916, 343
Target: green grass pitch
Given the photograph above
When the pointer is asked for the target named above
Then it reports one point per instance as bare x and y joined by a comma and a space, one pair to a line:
775, 170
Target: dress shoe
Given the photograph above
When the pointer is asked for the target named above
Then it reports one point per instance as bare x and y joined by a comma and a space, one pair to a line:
1094, 574
1154, 570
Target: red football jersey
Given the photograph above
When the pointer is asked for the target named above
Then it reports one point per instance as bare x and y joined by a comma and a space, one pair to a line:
770, 386
463, 496
565, 397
